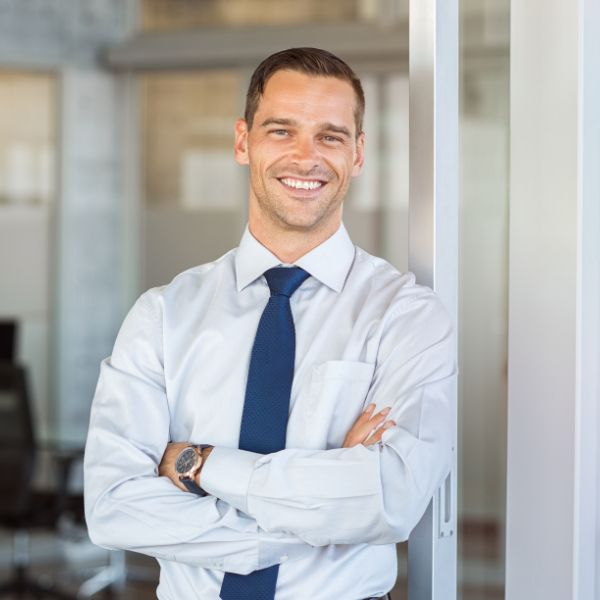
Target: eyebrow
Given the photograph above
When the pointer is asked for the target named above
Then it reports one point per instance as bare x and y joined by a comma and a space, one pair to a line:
293, 123
274, 121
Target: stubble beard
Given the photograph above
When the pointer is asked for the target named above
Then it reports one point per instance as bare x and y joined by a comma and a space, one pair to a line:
293, 220
276, 206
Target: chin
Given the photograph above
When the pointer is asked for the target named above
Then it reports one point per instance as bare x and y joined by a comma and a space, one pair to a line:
304, 225
298, 225
296, 221
311, 219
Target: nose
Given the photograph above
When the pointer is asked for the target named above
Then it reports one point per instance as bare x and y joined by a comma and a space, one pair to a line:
305, 152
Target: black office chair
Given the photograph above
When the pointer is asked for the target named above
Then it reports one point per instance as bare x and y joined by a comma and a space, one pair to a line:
21, 507
8, 336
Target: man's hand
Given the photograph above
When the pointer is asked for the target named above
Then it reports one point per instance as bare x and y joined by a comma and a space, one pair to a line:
368, 428
167, 463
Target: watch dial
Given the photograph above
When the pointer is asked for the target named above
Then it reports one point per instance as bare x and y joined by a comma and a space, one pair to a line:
185, 461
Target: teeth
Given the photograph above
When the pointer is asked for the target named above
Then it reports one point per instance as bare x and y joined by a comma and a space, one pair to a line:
302, 185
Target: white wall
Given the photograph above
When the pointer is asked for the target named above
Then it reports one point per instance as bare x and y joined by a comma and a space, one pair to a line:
553, 301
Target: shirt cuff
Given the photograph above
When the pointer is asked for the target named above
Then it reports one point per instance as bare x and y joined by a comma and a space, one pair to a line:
226, 475
279, 552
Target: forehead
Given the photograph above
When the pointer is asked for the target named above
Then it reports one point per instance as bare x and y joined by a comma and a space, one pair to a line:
290, 94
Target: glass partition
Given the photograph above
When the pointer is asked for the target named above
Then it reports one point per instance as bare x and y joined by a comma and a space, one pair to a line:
188, 140
194, 191
483, 292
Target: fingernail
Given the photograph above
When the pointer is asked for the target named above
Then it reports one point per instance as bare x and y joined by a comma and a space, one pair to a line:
389, 424
370, 408
386, 411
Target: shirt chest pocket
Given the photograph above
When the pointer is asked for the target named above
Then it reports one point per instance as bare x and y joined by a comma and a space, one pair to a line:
335, 397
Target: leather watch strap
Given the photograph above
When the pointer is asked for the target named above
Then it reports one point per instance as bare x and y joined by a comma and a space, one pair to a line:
193, 487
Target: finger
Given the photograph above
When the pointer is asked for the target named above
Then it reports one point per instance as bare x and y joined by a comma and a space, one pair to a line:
376, 436
365, 415
361, 423
377, 419
363, 429
364, 426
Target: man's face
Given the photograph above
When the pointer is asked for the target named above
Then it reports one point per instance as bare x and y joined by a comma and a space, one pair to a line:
302, 151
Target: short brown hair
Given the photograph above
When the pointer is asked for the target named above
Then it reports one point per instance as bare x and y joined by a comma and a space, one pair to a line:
312, 61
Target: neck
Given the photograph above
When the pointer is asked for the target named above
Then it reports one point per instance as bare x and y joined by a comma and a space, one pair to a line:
288, 245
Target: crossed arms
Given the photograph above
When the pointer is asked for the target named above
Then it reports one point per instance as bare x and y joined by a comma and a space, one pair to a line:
264, 508
367, 430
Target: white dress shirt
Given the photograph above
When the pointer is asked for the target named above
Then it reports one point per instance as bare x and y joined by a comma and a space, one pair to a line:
328, 515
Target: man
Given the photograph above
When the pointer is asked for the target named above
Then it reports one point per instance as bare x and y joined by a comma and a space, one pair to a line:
239, 431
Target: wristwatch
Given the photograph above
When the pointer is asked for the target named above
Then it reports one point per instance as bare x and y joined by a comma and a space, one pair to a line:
188, 464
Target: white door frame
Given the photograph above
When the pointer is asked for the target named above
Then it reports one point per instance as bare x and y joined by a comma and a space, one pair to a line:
433, 250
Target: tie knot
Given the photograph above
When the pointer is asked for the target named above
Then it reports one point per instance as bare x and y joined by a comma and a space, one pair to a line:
284, 281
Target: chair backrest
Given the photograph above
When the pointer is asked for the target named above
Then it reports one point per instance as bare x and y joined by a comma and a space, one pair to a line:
17, 441
8, 335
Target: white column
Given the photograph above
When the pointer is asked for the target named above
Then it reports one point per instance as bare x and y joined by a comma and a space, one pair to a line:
433, 248
554, 300
90, 249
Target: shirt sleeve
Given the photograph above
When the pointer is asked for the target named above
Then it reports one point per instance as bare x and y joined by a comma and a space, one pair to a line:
373, 494
127, 504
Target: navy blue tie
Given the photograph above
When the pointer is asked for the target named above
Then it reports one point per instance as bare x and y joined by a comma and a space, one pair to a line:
267, 405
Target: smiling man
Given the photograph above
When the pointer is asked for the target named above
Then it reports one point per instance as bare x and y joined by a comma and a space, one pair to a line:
269, 425
303, 145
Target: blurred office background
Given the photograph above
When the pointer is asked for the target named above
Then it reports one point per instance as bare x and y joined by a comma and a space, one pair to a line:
116, 173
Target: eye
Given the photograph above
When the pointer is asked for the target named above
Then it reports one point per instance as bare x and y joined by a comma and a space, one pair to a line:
279, 132
332, 139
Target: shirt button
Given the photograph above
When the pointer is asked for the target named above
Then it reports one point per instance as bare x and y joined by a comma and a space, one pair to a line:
284, 558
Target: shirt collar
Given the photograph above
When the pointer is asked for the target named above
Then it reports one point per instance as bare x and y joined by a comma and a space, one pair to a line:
329, 262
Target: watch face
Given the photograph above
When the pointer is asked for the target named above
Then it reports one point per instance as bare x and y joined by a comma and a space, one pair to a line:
185, 461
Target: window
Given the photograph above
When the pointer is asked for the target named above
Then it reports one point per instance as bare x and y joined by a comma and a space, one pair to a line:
27, 138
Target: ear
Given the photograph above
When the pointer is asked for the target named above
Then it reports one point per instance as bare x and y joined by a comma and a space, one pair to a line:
359, 155
240, 146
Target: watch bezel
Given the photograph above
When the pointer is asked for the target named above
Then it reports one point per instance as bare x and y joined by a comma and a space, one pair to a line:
193, 470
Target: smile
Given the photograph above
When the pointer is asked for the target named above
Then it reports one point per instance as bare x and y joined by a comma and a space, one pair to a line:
302, 184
